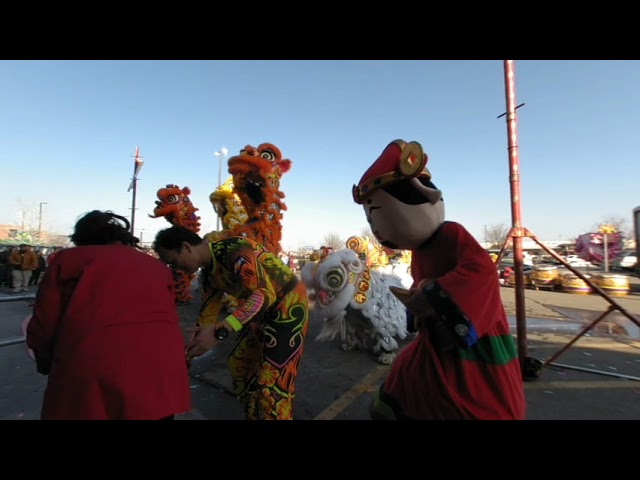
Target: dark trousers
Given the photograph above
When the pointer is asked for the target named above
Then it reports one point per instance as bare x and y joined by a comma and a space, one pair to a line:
35, 276
6, 276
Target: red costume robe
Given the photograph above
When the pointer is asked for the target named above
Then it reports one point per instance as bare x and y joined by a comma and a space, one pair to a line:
106, 330
483, 381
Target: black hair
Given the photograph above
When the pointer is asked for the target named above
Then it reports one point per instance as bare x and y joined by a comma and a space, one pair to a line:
102, 228
404, 192
171, 238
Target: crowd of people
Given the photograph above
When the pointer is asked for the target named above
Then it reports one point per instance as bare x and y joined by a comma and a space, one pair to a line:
23, 266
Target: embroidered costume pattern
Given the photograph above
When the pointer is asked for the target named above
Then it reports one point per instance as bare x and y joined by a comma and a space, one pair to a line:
273, 311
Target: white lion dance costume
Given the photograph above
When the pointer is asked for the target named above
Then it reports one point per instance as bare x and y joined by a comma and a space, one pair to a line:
356, 302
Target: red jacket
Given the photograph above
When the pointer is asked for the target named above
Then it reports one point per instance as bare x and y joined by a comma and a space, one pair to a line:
106, 330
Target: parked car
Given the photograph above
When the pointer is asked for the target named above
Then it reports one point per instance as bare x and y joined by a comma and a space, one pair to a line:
507, 259
576, 261
626, 260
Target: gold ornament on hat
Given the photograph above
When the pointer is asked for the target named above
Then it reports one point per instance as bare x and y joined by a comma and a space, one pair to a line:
413, 163
412, 159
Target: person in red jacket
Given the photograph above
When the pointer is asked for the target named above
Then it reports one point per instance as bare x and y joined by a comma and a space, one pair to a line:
106, 331
52, 255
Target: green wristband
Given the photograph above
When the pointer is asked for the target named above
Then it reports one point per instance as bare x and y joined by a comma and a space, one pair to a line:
234, 323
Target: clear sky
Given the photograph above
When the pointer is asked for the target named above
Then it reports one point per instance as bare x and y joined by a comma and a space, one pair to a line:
68, 132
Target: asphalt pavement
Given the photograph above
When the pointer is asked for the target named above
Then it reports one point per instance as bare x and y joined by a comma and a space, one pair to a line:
595, 378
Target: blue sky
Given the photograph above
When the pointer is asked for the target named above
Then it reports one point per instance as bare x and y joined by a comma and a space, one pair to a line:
68, 131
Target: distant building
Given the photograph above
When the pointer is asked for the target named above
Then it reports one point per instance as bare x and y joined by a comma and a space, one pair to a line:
8, 232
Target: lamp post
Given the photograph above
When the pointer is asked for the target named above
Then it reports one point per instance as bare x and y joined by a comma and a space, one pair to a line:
605, 230
40, 222
220, 153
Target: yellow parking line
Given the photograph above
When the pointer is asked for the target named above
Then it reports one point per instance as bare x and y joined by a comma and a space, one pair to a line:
368, 384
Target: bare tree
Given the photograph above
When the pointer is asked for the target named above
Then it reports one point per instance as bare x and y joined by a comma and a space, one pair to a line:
27, 218
29, 227
366, 232
29, 222
621, 224
496, 234
57, 239
333, 240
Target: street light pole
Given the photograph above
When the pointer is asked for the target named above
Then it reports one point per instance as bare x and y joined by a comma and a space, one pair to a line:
40, 222
220, 153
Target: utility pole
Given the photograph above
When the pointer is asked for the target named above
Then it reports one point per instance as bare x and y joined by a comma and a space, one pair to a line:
530, 367
137, 165
40, 222
485, 236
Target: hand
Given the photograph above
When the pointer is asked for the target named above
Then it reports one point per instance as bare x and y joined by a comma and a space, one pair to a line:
421, 322
428, 319
203, 340
418, 303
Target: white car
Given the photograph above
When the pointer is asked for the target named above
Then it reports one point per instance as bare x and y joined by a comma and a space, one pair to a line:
527, 259
576, 261
626, 260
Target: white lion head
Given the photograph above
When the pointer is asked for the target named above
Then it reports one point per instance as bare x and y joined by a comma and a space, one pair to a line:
336, 282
